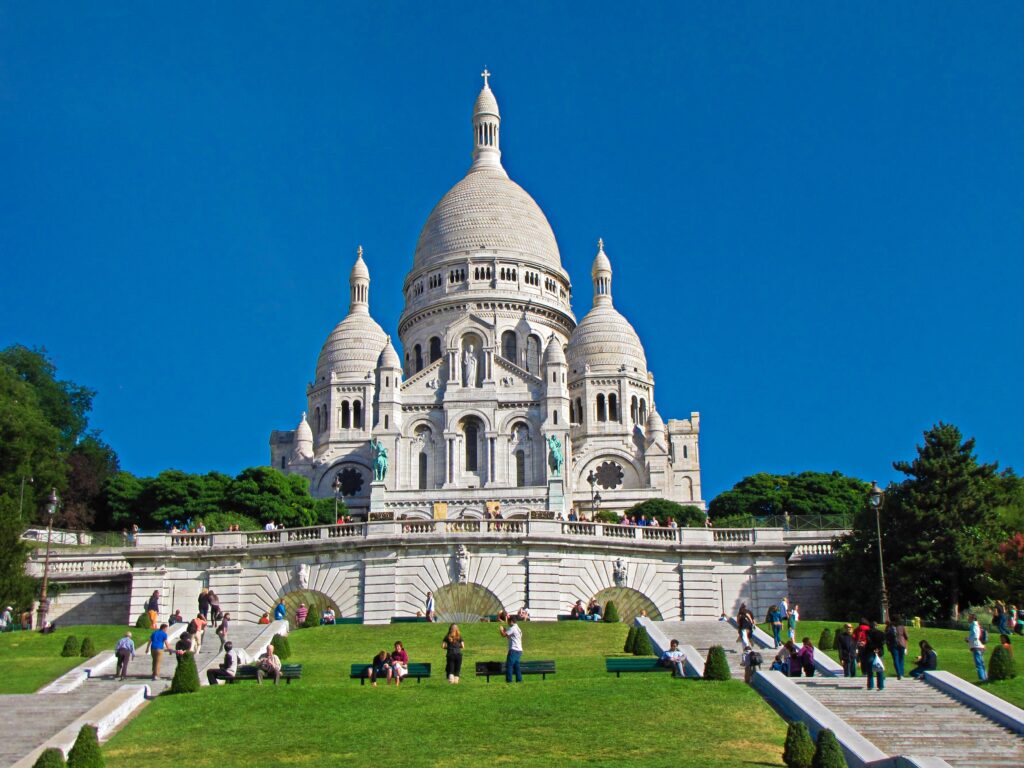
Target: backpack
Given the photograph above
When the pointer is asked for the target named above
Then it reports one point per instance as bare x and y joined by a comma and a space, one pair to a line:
983, 636
755, 659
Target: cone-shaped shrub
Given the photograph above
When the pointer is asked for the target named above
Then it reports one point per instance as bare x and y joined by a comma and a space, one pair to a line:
828, 753
282, 647
611, 613
826, 641
717, 666
186, 676
312, 619
86, 752
630, 639
835, 638
642, 643
1001, 665
143, 621
51, 757
799, 749
88, 650
70, 646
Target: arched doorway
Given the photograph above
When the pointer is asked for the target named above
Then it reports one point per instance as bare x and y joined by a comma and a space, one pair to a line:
316, 602
465, 603
629, 603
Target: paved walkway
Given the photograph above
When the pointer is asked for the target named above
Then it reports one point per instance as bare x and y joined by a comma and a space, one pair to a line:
704, 634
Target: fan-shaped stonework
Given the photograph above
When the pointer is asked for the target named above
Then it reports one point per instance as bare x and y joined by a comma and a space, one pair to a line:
316, 602
465, 603
629, 603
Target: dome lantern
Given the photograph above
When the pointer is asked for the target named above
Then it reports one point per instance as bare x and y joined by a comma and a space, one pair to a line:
359, 285
486, 127
602, 275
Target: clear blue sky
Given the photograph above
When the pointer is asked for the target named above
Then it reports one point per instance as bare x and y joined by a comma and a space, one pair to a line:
815, 212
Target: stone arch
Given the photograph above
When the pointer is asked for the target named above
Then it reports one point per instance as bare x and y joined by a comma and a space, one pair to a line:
651, 580
340, 584
510, 346
632, 473
465, 603
455, 418
323, 485
317, 602
628, 603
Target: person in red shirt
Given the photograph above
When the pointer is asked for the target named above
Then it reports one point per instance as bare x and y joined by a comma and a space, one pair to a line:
399, 663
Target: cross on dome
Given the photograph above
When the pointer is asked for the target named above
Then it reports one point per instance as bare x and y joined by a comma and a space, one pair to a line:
485, 74
600, 244
359, 252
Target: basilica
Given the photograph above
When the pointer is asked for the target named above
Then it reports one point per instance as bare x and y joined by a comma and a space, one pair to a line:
500, 401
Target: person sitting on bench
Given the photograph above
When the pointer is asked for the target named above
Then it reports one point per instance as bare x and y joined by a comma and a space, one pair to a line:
268, 664
675, 659
227, 669
380, 667
578, 611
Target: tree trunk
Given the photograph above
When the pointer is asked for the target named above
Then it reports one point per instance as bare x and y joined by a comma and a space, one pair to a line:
954, 600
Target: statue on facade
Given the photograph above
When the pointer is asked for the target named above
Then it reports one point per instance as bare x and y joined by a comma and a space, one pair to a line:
555, 457
380, 460
619, 573
303, 575
462, 564
469, 366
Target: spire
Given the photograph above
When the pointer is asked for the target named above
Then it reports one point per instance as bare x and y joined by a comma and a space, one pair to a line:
602, 274
359, 285
486, 127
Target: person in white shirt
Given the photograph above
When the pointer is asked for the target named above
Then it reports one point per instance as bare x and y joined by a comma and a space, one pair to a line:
977, 645
270, 526
7, 619
514, 635
675, 658
430, 607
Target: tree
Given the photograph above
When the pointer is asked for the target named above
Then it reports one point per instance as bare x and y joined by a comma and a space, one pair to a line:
51, 757
86, 751
799, 749
16, 588
630, 639
611, 613
685, 515
88, 650
186, 675
90, 464
826, 641
716, 667
70, 646
808, 493
828, 753
282, 646
642, 644
1001, 665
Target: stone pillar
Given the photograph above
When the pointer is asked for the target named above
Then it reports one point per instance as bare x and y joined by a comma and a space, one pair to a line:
377, 494
556, 495
488, 365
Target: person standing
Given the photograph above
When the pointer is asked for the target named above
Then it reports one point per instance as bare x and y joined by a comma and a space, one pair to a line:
7, 619
204, 602
876, 670
794, 617
896, 640
848, 651
300, 614
157, 645
280, 612
430, 607
214, 605
775, 619
453, 646
976, 642
514, 635
153, 608
222, 630
124, 652
751, 661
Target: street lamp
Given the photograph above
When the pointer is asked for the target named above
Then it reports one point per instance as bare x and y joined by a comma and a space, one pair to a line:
876, 498
592, 479
51, 510
336, 485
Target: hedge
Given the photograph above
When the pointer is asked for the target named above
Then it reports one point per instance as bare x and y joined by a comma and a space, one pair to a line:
799, 749
71, 646
86, 752
717, 665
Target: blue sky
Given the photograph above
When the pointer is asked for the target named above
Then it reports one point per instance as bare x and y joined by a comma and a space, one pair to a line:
815, 211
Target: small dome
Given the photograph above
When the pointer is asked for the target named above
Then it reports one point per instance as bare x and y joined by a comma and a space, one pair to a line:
606, 342
359, 270
389, 358
352, 349
654, 423
303, 439
553, 355
486, 104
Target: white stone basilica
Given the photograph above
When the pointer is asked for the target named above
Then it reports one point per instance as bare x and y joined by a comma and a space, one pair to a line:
497, 378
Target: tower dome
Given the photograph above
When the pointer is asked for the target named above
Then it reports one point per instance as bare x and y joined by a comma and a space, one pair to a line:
303, 440
353, 348
604, 340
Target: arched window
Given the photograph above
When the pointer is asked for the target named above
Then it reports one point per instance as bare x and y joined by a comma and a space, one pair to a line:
357, 414
643, 411
555, 414
423, 471
579, 411
284, 461
435, 348
634, 410
686, 453
418, 353
471, 435
532, 354
508, 345
316, 420
520, 468
572, 412
613, 407
601, 416
345, 416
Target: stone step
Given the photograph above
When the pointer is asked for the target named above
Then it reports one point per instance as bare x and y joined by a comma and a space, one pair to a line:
31, 718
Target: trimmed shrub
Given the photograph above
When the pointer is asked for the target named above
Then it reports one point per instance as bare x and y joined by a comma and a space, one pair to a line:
186, 676
1001, 665
799, 749
611, 613
642, 643
70, 646
86, 752
828, 753
717, 666
282, 647
143, 621
835, 638
826, 640
630, 639
51, 757
88, 650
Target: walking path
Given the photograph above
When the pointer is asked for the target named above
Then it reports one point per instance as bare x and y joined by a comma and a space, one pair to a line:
704, 634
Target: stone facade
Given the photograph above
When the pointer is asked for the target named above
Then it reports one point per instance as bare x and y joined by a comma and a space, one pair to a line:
496, 373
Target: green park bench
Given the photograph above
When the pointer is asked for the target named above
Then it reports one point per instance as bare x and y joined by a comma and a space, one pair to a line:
619, 664
348, 620
491, 669
289, 672
362, 672
407, 619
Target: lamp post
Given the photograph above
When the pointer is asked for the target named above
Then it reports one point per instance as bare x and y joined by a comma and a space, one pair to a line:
592, 479
336, 485
876, 497
51, 510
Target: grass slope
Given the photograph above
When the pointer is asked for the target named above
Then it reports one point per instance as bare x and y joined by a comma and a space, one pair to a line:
31, 660
581, 714
949, 644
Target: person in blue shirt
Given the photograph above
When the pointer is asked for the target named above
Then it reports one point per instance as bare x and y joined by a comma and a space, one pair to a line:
124, 651
280, 611
775, 617
157, 646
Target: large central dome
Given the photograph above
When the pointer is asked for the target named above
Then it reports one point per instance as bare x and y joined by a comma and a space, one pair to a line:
487, 210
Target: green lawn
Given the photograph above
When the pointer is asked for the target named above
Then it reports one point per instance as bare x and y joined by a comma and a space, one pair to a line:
949, 645
581, 714
31, 660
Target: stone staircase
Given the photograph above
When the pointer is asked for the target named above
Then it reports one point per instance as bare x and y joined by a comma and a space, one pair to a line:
704, 634
31, 718
911, 717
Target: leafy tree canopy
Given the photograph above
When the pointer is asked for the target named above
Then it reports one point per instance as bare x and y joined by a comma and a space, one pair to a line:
808, 493
665, 510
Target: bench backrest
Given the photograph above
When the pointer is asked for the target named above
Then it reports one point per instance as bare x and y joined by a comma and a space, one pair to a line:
498, 667
415, 670
633, 664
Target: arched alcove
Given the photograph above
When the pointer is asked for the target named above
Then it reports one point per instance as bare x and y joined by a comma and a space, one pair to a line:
465, 603
629, 603
316, 602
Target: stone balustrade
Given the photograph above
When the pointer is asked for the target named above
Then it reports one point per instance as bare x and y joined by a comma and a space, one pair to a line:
64, 565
